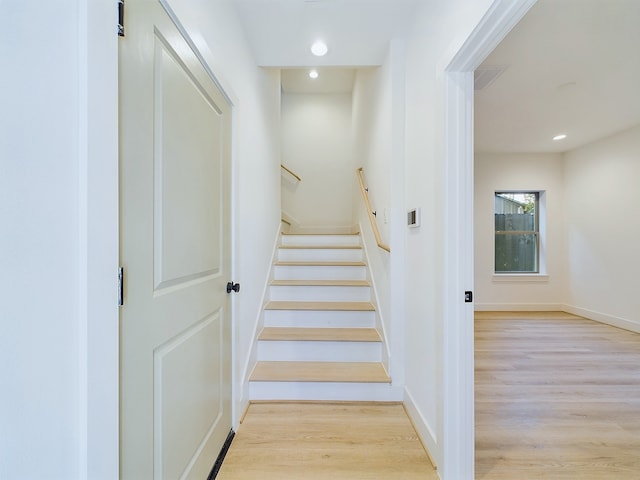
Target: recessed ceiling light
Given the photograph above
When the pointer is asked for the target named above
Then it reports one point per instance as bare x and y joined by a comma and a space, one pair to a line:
319, 49
313, 74
562, 136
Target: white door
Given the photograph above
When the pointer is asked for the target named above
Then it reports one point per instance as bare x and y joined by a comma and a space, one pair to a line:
175, 340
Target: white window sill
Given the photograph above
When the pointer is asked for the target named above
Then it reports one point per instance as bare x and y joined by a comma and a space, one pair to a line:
520, 277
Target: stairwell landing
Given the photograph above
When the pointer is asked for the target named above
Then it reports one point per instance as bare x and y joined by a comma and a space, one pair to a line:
320, 340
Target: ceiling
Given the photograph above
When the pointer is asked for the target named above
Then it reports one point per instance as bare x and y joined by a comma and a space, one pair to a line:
357, 32
572, 66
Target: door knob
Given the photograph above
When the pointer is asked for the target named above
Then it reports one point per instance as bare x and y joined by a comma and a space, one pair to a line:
233, 286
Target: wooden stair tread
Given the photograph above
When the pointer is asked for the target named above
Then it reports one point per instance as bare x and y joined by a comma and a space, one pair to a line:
311, 234
320, 247
320, 264
320, 334
326, 306
321, 283
355, 372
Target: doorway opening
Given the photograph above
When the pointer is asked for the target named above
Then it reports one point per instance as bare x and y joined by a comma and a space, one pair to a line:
458, 374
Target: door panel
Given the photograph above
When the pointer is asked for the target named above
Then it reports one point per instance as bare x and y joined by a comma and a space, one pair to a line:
188, 133
187, 363
175, 131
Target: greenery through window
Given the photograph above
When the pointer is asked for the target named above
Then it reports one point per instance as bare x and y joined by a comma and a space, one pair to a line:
517, 233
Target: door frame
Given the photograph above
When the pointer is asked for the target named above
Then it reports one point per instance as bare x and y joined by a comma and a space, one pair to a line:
98, 329
458, 332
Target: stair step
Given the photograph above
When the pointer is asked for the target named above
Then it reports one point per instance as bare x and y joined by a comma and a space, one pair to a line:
318, 351
324, 306
314, 293
320, 239
353, 372
321, 283
320, 334
317, 271
321, 255
319, 319
319, 264
293, 234
321, 247
325, 392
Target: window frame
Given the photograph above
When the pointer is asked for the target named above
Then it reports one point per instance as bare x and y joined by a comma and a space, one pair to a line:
536, 233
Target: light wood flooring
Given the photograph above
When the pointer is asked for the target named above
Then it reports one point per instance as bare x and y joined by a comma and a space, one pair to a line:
358, 372
557, 397
339, 441
326, 306
324, 334
321, 283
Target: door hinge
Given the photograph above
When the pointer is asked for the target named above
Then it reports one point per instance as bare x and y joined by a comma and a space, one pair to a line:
121, 18
120, 286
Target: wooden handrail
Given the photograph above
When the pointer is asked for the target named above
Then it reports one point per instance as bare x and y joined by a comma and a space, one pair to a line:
290, 172
374, 225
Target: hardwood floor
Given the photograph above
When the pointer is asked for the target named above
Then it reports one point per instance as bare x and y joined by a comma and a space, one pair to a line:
313, 441
557, 397
325, 334
343, 306
358, 372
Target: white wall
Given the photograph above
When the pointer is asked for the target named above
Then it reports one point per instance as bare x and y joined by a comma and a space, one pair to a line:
59, 232
372, 147
317, 146
532, 172
378, 129
41, 411
602, 196
372, 127
439, 30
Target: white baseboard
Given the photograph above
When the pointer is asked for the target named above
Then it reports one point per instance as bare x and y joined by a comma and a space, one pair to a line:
603, 318
519, 307
380, 320
241, 409
243, 397
424, 431
624, 323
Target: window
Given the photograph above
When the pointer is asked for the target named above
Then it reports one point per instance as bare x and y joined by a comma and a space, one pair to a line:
517, 232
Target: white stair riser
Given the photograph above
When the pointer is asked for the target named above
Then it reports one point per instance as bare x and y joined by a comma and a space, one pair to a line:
372, 392
321, 240
317, 319
306, 351
319, 255
282, 272
310, 293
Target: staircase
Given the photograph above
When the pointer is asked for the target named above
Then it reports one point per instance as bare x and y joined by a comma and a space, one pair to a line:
319, 340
